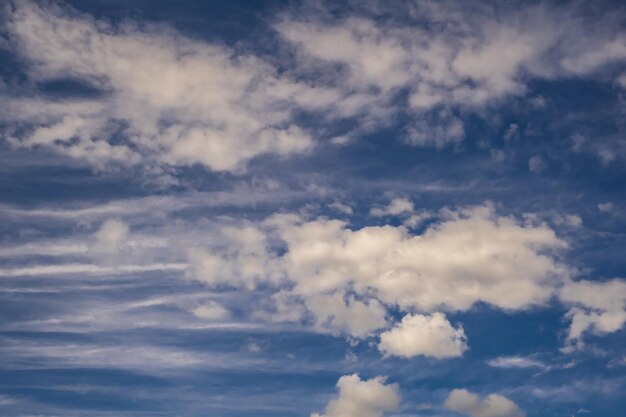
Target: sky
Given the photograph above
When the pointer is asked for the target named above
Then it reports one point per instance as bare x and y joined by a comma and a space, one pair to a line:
312, 208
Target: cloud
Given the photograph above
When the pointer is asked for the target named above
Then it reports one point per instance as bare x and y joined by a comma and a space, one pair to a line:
111, 237
493, 405
470, 255
210, 311
88, 269
174, 101
341, 208
363, 398
515, 362
340, 313
346, 279
536, 164
449, 57
395, 207
431, 336
598, 308
214, 106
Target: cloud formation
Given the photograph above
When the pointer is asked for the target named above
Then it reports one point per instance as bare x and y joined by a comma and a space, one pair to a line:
493, 405
597, 307
174, 101
165, 100
450, 57
431, 336
364, 398
347, 279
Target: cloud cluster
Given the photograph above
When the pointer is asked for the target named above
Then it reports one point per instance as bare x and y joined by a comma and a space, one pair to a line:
348, 278
169, 100
165, 100
374, 398
450, 57
351, 281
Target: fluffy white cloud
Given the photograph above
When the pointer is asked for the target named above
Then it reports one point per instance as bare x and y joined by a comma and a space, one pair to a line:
174, 100
471, 255
347, 279
431, 336
448, 56
493, 405
598, 307
362, 398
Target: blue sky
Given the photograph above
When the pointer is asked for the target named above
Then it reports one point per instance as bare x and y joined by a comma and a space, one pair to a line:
310, 208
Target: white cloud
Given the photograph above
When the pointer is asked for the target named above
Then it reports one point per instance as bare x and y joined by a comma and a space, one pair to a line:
341, 208
396, 207
88, 269
471, 255
598, 308
449, 56
606, 207
363, 398
431, 336
111, 237
210, 311
515, 362
176, 101
493, 405
340, 313
347, 279
242, 260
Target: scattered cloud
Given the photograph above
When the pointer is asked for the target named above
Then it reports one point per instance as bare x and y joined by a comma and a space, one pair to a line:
365, 398
396, 206
597, 308
493, 405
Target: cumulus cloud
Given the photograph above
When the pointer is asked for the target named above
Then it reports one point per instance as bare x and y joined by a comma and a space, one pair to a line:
363, 398
597, 307
345, 280
174, 101
471, 255
431, 336
493, 405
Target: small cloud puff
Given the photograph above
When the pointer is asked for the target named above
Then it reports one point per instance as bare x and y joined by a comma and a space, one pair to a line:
362, 398
431, 336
